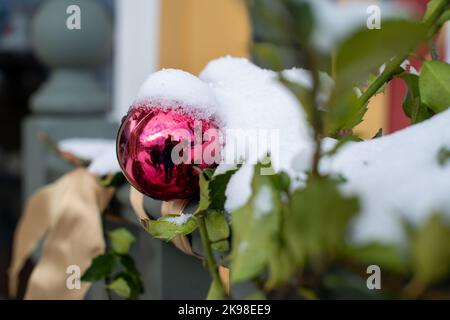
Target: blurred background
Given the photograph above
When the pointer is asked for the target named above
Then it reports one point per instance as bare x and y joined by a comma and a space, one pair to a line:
79, 83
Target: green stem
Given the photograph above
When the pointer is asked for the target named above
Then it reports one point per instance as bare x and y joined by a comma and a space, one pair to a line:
390, 70
393, 66
211, 262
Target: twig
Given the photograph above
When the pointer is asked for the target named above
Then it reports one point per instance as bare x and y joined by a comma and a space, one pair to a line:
211, 262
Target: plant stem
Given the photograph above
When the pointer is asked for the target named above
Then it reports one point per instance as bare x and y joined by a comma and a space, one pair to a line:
385, 76
211, 262
434, 51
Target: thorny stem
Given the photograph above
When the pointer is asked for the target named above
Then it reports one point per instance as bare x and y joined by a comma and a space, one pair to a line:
431, 24
211, 262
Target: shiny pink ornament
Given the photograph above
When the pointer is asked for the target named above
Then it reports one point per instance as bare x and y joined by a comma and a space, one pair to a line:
145, 142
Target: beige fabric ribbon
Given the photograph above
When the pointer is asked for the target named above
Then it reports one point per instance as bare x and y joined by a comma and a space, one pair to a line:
181, 242
69, 212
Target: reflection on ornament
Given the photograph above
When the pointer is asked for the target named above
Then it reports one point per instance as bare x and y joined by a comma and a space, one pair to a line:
157, 149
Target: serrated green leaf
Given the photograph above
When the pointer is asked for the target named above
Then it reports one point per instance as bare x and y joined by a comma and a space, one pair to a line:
367, 50
166, 229
217, 226
431, 250
212, 190
121, 240
101, 267
434, 84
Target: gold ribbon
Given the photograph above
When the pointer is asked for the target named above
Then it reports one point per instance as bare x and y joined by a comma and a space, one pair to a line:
69, 212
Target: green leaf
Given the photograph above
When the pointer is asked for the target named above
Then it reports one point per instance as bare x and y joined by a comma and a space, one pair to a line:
101, 267
121, 287
318, 220
215, 291
166, 228
434, 84
255, 228
431, 250
281, 269
412, 104
367, 50
388, 257
121, 240
221, 246
130, 269
344, 112
269, 54
443, 156
212, 190
217, 226
357, 57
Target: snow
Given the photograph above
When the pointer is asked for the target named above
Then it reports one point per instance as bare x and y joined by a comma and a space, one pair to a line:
335, 22
100, 152
263, 202
396, 176
170, 88
251, 100
179, 220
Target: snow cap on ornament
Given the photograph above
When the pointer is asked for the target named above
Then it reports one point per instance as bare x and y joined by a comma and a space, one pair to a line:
166, 133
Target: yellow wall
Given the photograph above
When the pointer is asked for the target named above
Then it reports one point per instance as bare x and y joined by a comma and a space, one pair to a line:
195, 31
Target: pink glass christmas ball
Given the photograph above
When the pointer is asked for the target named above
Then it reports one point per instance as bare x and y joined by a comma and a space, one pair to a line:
145, 145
